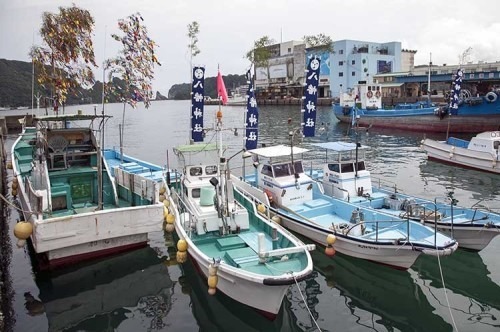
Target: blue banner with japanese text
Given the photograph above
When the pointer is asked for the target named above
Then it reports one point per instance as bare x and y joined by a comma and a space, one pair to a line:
310, 98
197, 102
455, 92
252, 117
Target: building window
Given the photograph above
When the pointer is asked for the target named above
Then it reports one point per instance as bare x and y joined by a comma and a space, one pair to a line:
341, 74
353, 62
341, 51
353, 73
341, 63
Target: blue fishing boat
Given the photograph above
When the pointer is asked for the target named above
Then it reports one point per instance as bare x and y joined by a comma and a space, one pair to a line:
464, 114
344, 176
241, 252
78, 201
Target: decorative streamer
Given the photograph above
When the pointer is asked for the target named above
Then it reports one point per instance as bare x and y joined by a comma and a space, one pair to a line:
197, 99
455, 92
252, 117
310, 96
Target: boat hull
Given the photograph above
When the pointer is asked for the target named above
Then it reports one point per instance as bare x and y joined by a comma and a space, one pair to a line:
472, 237
449, 154
401, 257
428, 123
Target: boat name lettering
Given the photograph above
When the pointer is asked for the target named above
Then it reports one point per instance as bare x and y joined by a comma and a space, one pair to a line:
495, 134
298, 197
268, 184
367, 247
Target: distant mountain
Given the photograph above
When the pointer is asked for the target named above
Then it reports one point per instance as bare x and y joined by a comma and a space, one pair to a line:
16, 80
182, 91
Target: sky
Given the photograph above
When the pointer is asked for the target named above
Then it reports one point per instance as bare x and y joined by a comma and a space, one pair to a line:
228, 28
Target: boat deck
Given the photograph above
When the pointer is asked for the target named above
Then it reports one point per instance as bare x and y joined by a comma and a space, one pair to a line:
241, 250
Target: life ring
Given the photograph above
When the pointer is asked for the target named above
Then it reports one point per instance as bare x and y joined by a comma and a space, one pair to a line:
491, 97
369, 94
377, 94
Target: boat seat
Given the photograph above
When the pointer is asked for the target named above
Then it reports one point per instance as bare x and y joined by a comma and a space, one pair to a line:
57, 151
240, 256
316, 203
229, 243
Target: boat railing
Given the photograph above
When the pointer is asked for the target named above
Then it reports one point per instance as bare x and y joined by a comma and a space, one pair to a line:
183, 207
35, 200
267, 213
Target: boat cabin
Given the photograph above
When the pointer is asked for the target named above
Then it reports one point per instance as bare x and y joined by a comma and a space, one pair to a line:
363, 95
344, 171
281, 175
486, 142
203, 193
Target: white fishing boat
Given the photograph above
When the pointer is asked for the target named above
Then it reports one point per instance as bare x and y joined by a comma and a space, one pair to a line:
480, 153
246, 256
78, 201
304, 207
345, 177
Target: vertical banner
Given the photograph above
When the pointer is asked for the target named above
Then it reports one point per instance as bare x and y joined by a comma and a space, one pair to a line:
455, 92
252, 116
197, 99
310, 98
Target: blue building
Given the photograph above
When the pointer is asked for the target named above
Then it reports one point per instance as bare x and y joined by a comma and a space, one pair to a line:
354, 61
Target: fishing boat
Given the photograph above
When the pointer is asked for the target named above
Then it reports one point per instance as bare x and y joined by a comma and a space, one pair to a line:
244, 255
280, 183
480, 153
305, 207
104, 293
78, 201
344, 176
465, 114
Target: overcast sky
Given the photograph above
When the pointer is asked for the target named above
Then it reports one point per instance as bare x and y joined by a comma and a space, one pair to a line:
228, 28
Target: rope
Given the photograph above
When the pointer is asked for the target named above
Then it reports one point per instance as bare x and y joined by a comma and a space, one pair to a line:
304, 300
14, 206
445, 293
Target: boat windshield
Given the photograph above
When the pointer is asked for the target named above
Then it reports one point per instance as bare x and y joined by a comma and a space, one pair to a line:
281, 170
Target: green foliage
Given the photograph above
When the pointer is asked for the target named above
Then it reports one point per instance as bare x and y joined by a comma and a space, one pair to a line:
183, 91
193, 30
320, 42
260, 54
15, 88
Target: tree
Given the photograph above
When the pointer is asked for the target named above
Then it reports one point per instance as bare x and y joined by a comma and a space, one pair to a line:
193, 30
65, 60
320, 42
260, 53
134, 64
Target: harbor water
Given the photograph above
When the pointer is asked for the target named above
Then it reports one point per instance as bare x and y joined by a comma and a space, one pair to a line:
146, 290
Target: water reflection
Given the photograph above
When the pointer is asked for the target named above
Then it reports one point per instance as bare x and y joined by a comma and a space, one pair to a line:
390, 294
221, 313
474, 295
132, 289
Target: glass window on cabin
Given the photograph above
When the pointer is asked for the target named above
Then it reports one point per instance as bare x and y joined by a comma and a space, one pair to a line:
496, 144
298, 167
267, 170
353, 62
334, 168
211, 170
281, 170
195, 171
361, 166
195, 193
347, 168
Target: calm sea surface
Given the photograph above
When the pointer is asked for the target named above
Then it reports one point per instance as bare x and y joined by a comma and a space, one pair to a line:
145, 290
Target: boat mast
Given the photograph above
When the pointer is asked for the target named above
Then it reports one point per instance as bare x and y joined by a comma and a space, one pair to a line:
429, 81
100, 144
